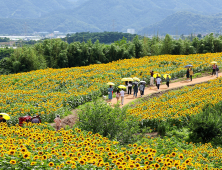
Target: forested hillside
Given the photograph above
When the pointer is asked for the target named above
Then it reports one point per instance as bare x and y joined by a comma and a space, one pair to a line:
56, 53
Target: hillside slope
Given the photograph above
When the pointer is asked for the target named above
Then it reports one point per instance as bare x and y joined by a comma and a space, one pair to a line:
185, 23
99, 15
31, 8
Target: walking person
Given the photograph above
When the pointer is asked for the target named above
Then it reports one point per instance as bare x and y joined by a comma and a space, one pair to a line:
168, 81
122, 96
191, 74
135, 89
144, 85
130, 87
126, 84
141, 87
2, 119
188, 74
157, 76
214, 70
151, 78
117, 95
58, 122
158, 81
217, 70
110, 92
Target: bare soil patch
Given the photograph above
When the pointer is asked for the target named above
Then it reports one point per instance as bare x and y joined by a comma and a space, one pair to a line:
69, 120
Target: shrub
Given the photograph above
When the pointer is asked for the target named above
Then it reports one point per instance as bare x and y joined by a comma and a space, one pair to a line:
207, 126
114, 123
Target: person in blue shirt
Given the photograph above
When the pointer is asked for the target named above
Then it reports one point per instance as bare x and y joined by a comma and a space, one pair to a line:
110, 92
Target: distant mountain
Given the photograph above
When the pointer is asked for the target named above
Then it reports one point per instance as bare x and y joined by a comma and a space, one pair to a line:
185, 23
100, 15
31, 8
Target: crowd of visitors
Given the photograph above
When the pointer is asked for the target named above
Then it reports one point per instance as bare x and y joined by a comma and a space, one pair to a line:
140, 86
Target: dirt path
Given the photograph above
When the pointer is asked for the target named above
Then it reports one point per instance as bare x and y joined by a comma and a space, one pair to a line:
163, 87
73, 118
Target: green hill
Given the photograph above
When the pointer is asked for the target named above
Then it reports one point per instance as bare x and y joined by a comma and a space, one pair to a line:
185, 23
99, 15
31, 8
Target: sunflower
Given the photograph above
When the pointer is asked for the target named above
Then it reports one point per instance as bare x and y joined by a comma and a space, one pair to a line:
33, 163
40, 153
82, 162
11, 152
51, 164
25, 155
131, 166
181, 156
35, 157
150, 158
13, 162
68, 162
44, 157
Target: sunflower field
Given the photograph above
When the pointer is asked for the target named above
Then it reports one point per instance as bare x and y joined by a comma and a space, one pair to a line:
55, 91
38, 147
176, 107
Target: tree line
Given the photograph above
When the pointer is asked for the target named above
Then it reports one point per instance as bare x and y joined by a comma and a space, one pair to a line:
103, 37
56, 53
4, 39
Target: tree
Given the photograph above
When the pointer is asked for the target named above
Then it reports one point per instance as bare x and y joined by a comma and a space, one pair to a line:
62, 59
167, 45
138, 47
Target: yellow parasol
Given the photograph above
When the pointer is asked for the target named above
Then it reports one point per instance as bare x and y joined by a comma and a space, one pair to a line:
165, 76
127, 79
135, 78
122, 87
110, 83
5, 116
155, 75
213, 62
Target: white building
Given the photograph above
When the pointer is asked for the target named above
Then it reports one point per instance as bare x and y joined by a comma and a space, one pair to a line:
131, 31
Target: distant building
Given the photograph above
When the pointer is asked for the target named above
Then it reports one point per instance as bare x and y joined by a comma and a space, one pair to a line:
131, 31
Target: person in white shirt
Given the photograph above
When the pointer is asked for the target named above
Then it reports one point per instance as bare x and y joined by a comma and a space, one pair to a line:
158, 81
122, 96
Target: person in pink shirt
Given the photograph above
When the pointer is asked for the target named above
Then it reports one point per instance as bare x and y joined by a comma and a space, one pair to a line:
117, 95
58, 122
